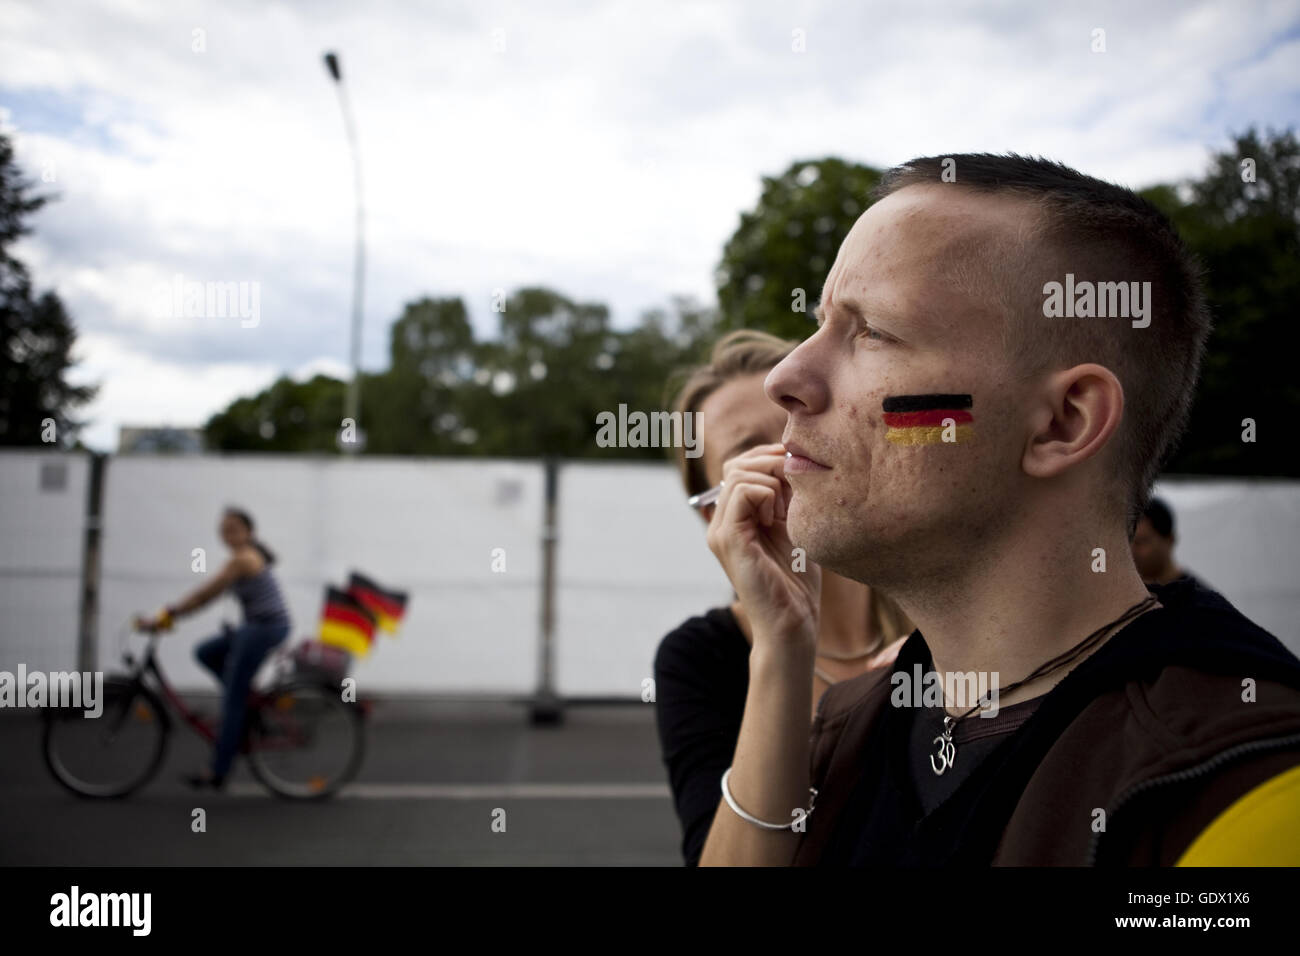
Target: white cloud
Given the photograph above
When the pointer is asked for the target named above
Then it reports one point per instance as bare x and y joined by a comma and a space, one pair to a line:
607, 152
136, 389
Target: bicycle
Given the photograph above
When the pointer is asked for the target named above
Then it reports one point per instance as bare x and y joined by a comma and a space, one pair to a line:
302, 740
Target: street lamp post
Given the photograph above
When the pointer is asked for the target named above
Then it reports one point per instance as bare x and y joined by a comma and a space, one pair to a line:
352, 404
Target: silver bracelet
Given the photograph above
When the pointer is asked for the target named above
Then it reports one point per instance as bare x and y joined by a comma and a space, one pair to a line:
749, 818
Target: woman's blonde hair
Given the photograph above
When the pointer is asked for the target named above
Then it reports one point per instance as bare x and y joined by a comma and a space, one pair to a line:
747, 352
743, 352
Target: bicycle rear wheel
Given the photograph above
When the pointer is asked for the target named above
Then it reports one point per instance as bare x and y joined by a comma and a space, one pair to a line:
114, 754
304, 741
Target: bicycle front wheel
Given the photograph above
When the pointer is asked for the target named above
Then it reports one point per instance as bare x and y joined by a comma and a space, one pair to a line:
305, 741
111, 755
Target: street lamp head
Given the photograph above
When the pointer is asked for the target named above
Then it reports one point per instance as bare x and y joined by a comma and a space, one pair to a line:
332, 64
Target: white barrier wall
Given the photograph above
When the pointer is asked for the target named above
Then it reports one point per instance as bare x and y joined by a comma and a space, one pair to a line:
42, 533
1242, 538
632, 565
426, 527
631, 562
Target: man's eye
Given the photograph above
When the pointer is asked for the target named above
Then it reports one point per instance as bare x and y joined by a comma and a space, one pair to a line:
876, 334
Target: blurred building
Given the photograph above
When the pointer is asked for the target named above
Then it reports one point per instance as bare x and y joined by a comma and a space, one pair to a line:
159, 438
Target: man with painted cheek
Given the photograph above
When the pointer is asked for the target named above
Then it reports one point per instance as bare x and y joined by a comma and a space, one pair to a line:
982, 457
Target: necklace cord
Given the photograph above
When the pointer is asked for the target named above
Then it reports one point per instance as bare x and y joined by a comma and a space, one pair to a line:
1056, 663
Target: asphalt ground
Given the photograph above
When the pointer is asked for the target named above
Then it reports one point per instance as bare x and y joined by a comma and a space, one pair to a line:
588, 792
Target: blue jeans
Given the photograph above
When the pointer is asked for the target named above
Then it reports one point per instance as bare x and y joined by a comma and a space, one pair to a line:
234, 658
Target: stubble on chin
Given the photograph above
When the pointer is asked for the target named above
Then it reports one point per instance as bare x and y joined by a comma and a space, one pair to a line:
808, 530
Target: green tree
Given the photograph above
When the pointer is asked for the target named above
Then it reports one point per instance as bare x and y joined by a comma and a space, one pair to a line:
534, 390
287, 416
789, 242
416, 406
1247, 234
545, 385
36, 334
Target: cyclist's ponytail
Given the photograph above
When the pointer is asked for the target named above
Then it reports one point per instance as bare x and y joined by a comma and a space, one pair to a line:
267, 554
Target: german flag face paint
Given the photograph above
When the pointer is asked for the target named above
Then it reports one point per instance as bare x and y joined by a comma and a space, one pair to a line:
928, 419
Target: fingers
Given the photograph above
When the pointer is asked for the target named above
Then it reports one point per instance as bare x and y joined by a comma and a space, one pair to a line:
738, 479
769, 458
763, 465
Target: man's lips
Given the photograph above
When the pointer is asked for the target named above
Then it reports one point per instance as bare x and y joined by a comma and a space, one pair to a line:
800, 461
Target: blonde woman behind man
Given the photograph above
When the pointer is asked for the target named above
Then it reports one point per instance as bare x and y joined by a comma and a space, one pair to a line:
702, 668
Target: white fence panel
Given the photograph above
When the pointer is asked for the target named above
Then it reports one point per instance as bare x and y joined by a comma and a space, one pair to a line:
1242, 538
423, 526
42, 534
631, 562
631, 566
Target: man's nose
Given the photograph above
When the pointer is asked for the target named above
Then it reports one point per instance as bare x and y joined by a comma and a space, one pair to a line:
794, 383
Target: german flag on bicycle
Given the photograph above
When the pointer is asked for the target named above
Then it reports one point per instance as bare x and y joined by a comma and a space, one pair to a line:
388, 607
346, 623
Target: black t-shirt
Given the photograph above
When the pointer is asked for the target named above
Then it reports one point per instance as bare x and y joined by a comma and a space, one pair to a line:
974, 738
701, 676
1181, 590
901, 813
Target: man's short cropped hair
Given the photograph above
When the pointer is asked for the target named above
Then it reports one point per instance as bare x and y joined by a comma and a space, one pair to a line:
1098, 232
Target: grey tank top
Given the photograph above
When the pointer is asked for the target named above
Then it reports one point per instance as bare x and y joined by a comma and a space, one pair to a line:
259, 594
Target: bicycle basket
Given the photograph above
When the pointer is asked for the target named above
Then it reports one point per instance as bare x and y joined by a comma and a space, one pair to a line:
314, 659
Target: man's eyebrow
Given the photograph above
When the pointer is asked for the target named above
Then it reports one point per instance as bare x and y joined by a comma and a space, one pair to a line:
870, 312
846, 305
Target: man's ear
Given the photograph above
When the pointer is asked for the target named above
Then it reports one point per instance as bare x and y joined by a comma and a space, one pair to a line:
1079, 410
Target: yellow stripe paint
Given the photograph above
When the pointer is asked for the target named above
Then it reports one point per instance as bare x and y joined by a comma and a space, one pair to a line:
929, 435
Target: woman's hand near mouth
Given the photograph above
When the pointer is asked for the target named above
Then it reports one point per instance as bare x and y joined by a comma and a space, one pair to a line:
748, 536
769, 770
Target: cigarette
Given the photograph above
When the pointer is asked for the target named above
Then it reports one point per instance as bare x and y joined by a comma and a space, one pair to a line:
705, 498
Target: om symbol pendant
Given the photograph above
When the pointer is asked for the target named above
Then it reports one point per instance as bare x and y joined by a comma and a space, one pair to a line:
947, 751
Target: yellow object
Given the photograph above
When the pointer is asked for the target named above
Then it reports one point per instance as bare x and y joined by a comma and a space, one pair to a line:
1260, 829
929, 435
345, 636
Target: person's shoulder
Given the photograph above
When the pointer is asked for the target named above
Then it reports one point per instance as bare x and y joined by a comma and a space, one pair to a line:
1196, 614
247, 561
1188, 590
712, 636
1199, 672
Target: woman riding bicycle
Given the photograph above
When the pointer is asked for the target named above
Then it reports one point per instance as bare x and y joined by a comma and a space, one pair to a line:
235, 655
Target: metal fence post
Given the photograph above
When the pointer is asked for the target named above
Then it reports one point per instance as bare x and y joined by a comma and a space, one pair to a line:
88, 631
546, 708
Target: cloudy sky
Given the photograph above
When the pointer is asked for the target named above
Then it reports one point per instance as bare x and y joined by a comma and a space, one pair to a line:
603, 148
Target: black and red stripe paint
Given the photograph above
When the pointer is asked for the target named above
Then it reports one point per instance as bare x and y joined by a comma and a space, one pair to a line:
924, 419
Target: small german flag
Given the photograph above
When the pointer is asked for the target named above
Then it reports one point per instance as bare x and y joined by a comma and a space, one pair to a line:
388, 607
920, 419
347, 623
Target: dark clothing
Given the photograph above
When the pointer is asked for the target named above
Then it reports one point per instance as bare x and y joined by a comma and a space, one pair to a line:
1178, 591
234, 657
975, 738
1152, 730
701, 674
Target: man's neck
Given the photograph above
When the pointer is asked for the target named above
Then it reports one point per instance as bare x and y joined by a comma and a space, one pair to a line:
1022, 603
